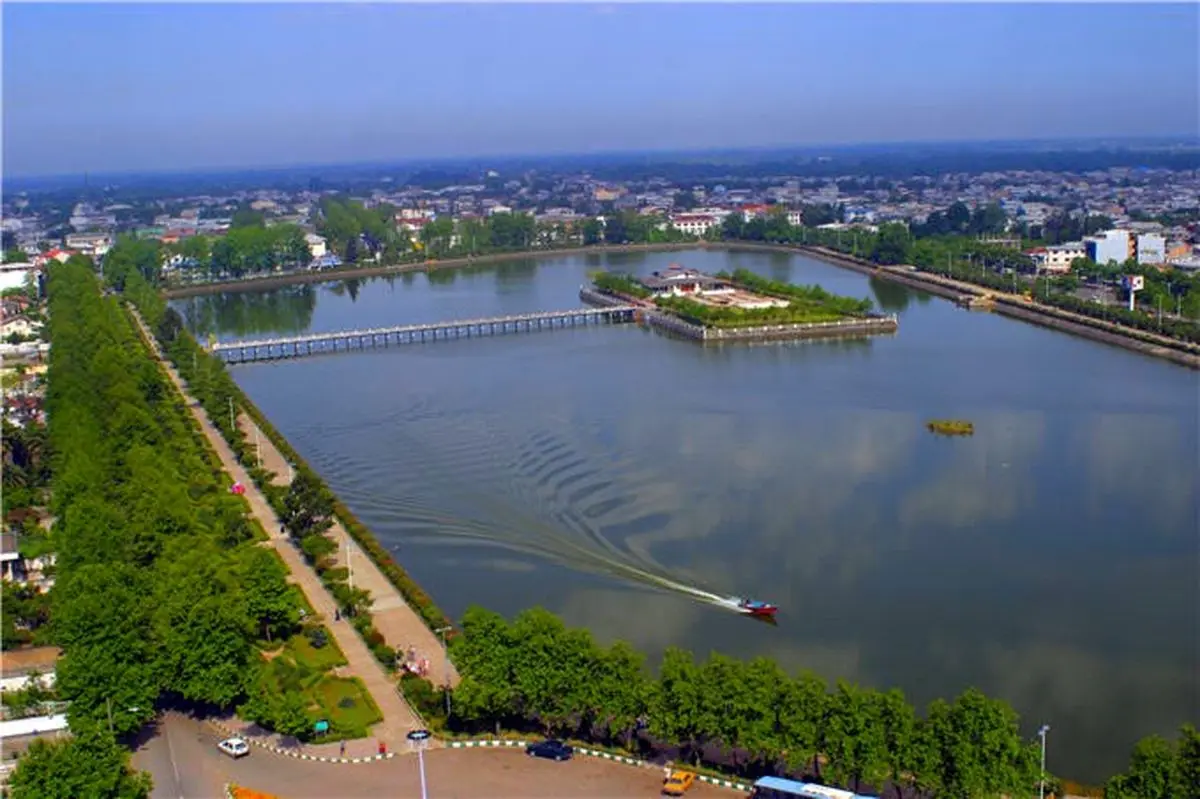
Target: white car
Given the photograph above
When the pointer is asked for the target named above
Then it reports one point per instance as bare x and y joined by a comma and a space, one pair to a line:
234, 747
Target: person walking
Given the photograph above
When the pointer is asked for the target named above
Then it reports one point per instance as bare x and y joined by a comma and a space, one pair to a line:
342, 750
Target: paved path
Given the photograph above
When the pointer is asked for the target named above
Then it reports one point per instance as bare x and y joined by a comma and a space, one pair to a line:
400, 625
181, 755
398, 717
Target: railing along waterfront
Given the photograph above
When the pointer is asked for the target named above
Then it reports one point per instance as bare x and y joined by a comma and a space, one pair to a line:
355, 340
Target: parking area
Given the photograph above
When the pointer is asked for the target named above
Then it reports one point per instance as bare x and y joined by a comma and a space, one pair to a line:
183, 758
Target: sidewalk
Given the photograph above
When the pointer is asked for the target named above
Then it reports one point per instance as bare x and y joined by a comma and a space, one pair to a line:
398, 717
399, 624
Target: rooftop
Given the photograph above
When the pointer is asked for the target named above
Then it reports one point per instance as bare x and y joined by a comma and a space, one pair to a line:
19, 662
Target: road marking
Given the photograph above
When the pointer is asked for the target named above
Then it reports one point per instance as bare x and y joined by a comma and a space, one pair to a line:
174, 768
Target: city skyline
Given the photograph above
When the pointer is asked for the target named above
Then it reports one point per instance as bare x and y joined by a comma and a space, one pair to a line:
187, 87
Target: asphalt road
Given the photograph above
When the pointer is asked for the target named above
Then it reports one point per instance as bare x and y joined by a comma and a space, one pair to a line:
181, 754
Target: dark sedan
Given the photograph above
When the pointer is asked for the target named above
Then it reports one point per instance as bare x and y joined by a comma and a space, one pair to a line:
551, 750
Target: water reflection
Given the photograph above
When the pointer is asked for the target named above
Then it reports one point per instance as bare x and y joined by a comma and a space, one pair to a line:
891, 297
284, 311
1049, 559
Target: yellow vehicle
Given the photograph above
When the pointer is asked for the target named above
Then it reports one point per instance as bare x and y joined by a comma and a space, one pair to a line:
678, 783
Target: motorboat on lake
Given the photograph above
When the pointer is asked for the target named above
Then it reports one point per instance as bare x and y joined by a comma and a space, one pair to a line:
756, 608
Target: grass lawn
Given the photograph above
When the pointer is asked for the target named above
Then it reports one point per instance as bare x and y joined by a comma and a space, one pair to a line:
301, 650
347, 706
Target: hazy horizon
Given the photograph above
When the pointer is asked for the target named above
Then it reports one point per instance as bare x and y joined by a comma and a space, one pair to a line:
188, 88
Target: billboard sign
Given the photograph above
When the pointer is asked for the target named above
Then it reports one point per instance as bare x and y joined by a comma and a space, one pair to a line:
1133, 282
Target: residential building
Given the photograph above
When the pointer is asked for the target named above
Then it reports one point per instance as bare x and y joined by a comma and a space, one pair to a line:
15, 275
15, 568
1151, 248
90, 243
694, 224
316, 245
20, 666
1111, 246
1178, 249
795, 218
1059, 257
20, 326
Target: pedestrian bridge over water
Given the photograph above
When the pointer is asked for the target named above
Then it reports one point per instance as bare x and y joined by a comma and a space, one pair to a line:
356, 340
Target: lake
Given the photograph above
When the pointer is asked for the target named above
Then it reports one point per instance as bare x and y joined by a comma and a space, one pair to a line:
622, 479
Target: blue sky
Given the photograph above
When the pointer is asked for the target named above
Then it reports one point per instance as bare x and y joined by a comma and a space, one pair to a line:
104, 87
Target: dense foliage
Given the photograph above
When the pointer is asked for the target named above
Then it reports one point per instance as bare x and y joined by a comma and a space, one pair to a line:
89, 764
307, 507
1161, 769
617, 283
535, 674
160, 588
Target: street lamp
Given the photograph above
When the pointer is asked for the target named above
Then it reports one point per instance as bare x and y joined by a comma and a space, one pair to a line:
1045, 728
445, 667
419, 739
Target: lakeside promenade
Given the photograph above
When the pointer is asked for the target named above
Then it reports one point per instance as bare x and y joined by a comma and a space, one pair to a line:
398, 717
400, 625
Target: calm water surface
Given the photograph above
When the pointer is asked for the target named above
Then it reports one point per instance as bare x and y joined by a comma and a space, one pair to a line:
614, 476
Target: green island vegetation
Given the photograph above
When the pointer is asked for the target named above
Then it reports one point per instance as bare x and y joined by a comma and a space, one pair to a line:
950, 427
617, 283
806, 305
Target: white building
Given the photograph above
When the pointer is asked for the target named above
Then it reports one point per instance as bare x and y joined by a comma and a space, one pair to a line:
89, 243
1111, 246
795, 218
316, 245
1059, 257
15, 275
1151, 248
694, 224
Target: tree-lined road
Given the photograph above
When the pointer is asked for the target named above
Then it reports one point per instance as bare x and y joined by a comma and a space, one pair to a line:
398, 718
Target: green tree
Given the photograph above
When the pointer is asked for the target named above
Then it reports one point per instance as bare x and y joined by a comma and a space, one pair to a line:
88, 764
308, 507
855, 739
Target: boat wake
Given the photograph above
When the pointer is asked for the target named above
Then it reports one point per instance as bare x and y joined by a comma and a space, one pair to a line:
538, 496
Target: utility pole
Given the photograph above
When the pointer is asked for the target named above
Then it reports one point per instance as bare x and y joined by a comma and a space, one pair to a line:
1042, 781
445, 666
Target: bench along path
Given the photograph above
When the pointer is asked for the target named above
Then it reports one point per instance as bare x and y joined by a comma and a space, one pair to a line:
399, 624
398, 717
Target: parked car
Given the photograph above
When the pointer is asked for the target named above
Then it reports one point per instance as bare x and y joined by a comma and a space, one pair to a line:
678, 783
234, 747
551, 750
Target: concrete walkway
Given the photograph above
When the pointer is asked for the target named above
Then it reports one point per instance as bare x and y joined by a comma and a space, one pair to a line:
399, 624
398, 717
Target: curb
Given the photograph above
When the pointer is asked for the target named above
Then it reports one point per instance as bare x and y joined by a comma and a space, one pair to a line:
717, 781
299, 755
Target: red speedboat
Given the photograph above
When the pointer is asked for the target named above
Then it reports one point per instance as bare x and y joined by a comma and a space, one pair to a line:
756, 608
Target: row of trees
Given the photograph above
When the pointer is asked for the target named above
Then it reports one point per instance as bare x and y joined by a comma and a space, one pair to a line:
160, 589
1160, 769
752, 717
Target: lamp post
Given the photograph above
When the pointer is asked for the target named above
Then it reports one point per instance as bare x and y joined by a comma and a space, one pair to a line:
445, 666
418, 739
1045, 728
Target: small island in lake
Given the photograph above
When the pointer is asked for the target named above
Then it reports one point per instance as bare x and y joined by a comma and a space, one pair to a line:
950, 427
741, 306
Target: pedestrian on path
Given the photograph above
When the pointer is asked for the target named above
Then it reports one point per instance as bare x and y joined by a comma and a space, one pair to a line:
342, 751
